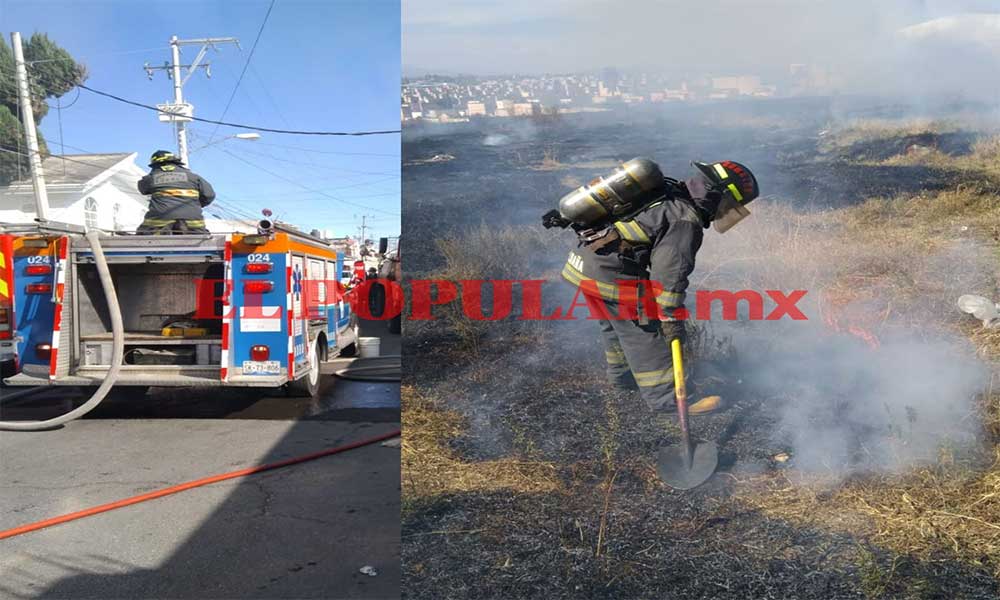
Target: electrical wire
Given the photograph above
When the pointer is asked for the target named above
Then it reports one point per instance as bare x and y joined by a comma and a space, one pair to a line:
239, 126
313, 151
267, 94
236, 125
46, 60
305, 187
243, 72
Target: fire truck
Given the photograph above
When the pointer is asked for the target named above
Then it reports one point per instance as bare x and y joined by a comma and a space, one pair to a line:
234, 310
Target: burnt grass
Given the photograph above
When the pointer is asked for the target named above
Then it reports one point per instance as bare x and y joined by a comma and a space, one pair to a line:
521, 397
656, 542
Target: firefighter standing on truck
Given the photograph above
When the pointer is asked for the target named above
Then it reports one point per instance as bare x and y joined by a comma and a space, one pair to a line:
176, 197
638, 225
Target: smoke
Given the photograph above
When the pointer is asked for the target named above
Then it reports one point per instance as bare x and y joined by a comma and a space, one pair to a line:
846, 407
872, 381
896, 48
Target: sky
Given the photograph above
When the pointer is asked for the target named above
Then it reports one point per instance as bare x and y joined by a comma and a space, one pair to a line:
319, 65
859, 38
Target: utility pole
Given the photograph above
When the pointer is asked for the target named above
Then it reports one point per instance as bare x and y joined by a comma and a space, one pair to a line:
28, 122
178, 112
364, 227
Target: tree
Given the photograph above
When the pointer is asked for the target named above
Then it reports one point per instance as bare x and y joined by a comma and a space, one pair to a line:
52, 72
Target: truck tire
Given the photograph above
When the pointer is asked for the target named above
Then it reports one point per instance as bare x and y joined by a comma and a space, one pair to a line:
351, 350
308, 386
376, 299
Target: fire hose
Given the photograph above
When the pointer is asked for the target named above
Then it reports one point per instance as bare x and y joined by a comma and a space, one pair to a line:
191, 485
366, 371
117, 350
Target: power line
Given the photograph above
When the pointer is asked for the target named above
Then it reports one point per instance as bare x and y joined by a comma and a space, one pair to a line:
70, 59
236, 125
301, 149
267, 94
305, 187
317, 165
243, 72
222, 205
311, 150
239, 126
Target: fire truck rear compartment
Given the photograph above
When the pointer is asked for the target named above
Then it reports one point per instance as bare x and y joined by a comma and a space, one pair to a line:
152, 296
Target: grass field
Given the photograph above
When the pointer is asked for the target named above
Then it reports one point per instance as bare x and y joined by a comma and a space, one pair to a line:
523, 474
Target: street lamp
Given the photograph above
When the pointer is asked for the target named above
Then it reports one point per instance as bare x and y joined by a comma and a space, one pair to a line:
250, 135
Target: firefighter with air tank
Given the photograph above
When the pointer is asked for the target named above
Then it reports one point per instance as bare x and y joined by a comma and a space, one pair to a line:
176, 197
638, 228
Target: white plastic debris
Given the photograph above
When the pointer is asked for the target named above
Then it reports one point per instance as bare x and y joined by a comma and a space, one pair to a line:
369, 570
981, 308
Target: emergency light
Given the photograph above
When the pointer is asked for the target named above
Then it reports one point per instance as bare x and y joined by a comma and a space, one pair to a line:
257, 287
38, 270
39, 288
257, 268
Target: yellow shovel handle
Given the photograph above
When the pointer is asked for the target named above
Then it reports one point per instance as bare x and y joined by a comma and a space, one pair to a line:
679, 387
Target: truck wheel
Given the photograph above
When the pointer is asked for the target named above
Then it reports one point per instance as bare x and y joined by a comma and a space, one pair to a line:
308, 386
376, 299
351, 350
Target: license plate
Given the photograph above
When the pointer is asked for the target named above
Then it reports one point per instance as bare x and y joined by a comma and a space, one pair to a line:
266, 367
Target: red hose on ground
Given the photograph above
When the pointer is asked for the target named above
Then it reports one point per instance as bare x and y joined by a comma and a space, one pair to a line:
189, 485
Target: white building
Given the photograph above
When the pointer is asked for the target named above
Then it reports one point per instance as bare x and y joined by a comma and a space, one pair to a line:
96, 190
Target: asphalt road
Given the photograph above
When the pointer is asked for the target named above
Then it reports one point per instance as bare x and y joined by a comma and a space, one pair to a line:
304, 531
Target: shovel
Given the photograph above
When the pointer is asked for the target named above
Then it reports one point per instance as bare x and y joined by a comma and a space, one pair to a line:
690, 464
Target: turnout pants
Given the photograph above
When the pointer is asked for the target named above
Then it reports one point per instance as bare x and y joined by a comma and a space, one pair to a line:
638, 355
154, 226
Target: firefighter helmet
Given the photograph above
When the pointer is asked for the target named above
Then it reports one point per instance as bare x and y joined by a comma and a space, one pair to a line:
606, 199
738, 187
162, 157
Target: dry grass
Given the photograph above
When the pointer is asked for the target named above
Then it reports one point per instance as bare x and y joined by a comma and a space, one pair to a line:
913, 256
945, 511
431, 469
855, 131
485, 253
550, 162
905, 259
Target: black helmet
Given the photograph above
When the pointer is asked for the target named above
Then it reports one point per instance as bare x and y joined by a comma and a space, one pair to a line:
162, 157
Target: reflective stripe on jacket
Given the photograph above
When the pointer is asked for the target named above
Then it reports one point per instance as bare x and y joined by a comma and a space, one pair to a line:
659, 244
175, 193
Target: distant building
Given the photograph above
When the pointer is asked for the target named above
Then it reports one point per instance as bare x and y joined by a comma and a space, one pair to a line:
743, 85
505, 108
95, 190
476, 108
527, 109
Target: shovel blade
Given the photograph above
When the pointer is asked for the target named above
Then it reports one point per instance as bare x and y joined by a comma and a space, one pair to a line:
670, 465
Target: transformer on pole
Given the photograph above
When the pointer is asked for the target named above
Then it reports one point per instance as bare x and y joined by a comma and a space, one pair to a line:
179, 112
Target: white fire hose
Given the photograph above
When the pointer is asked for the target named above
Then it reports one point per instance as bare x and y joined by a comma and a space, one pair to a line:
117, 350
